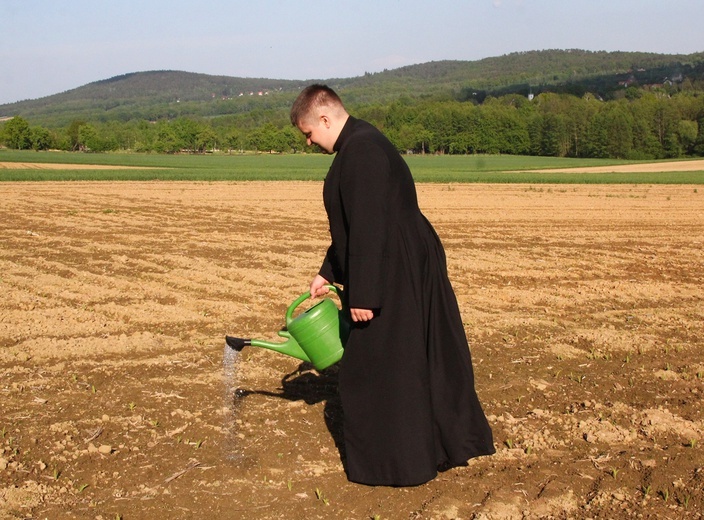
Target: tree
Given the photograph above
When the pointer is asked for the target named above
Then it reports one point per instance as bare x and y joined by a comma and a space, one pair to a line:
88, 138
645, 136
206, 139
699, 141
234, 140
579, 112
501, 129
687, 132
17, 134
665, 118
619, 124
72, 132
269, 139
187, 132
166, 140
597, 139
292, 139
41, 138
535, 132
555, 137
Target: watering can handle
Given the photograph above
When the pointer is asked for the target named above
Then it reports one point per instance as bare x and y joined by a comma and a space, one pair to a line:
300, 300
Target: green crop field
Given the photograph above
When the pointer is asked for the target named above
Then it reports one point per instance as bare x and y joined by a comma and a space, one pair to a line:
272, 167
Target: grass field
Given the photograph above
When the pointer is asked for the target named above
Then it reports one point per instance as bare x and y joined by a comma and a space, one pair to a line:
246, 167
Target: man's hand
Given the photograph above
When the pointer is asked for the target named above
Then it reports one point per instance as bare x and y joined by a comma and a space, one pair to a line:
317, 286
361, 314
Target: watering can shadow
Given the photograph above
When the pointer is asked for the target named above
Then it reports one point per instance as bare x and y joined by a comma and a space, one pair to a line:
312, 387
316, 335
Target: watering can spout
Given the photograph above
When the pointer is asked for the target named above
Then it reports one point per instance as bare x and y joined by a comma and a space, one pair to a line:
237, 343
289, 347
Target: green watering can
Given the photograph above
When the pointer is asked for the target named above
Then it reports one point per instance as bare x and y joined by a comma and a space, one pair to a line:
316, 335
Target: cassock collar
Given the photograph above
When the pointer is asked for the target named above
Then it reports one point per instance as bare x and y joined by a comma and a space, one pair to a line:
344, 134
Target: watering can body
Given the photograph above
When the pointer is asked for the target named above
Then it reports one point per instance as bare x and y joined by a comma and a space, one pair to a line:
316, 335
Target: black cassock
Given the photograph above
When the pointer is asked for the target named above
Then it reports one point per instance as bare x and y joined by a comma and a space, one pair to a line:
406, 381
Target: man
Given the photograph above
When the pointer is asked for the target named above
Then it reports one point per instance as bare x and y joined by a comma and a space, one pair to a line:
406, 382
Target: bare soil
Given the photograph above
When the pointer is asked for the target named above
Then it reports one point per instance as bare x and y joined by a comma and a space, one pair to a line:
583, 306
665, 166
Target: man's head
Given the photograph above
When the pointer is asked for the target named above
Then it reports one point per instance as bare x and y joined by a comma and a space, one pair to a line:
319, 113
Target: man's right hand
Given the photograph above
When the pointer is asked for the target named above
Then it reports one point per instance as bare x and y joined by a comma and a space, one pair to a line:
317, 286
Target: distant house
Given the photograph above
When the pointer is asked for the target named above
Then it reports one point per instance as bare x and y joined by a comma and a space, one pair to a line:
627, 82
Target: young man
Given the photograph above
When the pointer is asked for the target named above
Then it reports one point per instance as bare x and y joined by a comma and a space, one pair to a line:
406, 381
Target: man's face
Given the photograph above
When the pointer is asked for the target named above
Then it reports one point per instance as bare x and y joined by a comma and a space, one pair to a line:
317, 131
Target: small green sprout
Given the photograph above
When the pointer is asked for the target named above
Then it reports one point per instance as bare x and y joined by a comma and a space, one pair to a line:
319, 495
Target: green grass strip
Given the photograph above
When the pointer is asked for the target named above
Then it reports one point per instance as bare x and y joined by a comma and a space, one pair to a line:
314, 167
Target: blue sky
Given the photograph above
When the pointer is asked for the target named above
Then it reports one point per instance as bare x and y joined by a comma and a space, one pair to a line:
49, 46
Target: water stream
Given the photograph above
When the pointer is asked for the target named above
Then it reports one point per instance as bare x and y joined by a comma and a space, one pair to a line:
229, 365
230, 379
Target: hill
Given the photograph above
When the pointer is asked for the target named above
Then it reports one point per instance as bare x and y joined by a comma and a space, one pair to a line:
169, 94
147, 95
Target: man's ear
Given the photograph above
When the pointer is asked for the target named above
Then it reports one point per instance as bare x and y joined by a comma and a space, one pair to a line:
325, 120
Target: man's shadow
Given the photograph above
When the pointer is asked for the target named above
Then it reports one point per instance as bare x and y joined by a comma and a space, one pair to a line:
311, 386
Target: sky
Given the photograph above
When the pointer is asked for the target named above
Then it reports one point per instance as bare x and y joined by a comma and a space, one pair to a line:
50, 46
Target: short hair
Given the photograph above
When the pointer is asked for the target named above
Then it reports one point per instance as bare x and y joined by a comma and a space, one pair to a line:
311, 98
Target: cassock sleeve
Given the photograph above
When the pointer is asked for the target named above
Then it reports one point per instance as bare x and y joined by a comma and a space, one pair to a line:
364, 192
330, 270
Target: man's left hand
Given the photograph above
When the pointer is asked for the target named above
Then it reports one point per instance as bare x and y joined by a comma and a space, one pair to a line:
361, 314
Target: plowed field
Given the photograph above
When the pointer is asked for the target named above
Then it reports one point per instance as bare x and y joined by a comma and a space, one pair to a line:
583, 305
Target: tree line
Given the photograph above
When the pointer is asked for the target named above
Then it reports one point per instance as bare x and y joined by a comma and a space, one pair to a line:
637, 123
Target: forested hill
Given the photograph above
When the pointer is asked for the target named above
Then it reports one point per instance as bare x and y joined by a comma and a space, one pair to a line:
171, 94
535, 70
151, 96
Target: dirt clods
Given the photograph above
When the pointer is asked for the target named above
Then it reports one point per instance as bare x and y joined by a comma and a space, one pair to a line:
583, 306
